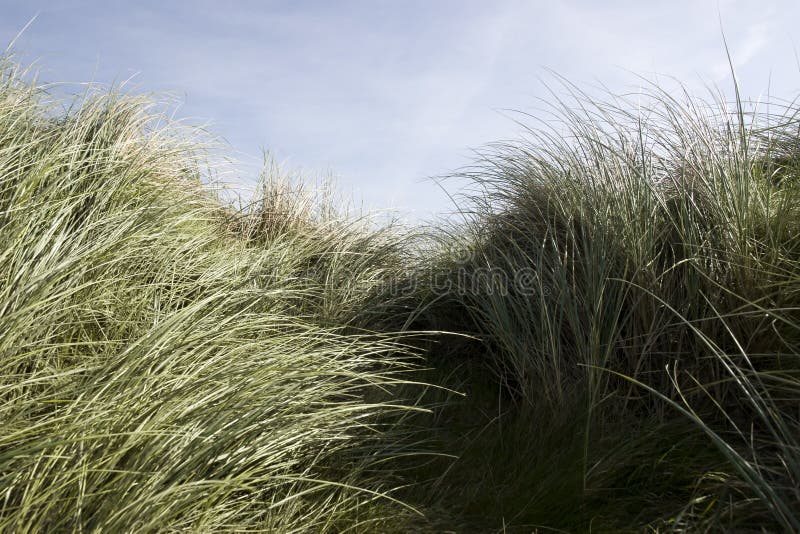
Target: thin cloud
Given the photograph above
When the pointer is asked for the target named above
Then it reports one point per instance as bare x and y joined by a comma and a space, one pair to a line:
386, 94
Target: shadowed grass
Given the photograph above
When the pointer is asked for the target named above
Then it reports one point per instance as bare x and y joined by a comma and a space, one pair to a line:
631, 267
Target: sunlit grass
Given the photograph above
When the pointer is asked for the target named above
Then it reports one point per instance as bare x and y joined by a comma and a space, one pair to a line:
168, 363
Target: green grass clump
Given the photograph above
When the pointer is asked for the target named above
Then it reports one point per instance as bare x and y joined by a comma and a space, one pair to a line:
632, 267
168, 362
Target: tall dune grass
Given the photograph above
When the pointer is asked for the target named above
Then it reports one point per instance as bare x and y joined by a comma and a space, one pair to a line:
169, 363
657, 236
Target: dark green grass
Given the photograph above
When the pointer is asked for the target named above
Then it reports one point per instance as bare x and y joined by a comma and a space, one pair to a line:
659, 316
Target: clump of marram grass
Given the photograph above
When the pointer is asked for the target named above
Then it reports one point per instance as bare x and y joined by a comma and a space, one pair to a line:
159, 372
659, 242
348, 262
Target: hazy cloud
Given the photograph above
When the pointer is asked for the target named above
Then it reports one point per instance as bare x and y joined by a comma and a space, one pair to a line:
385, 93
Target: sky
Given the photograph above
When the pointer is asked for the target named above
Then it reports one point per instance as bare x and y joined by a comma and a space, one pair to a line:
385, 96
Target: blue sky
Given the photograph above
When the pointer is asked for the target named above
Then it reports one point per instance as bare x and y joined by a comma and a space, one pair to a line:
384, 95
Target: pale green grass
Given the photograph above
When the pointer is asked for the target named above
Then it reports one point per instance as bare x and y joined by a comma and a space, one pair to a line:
165, 362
